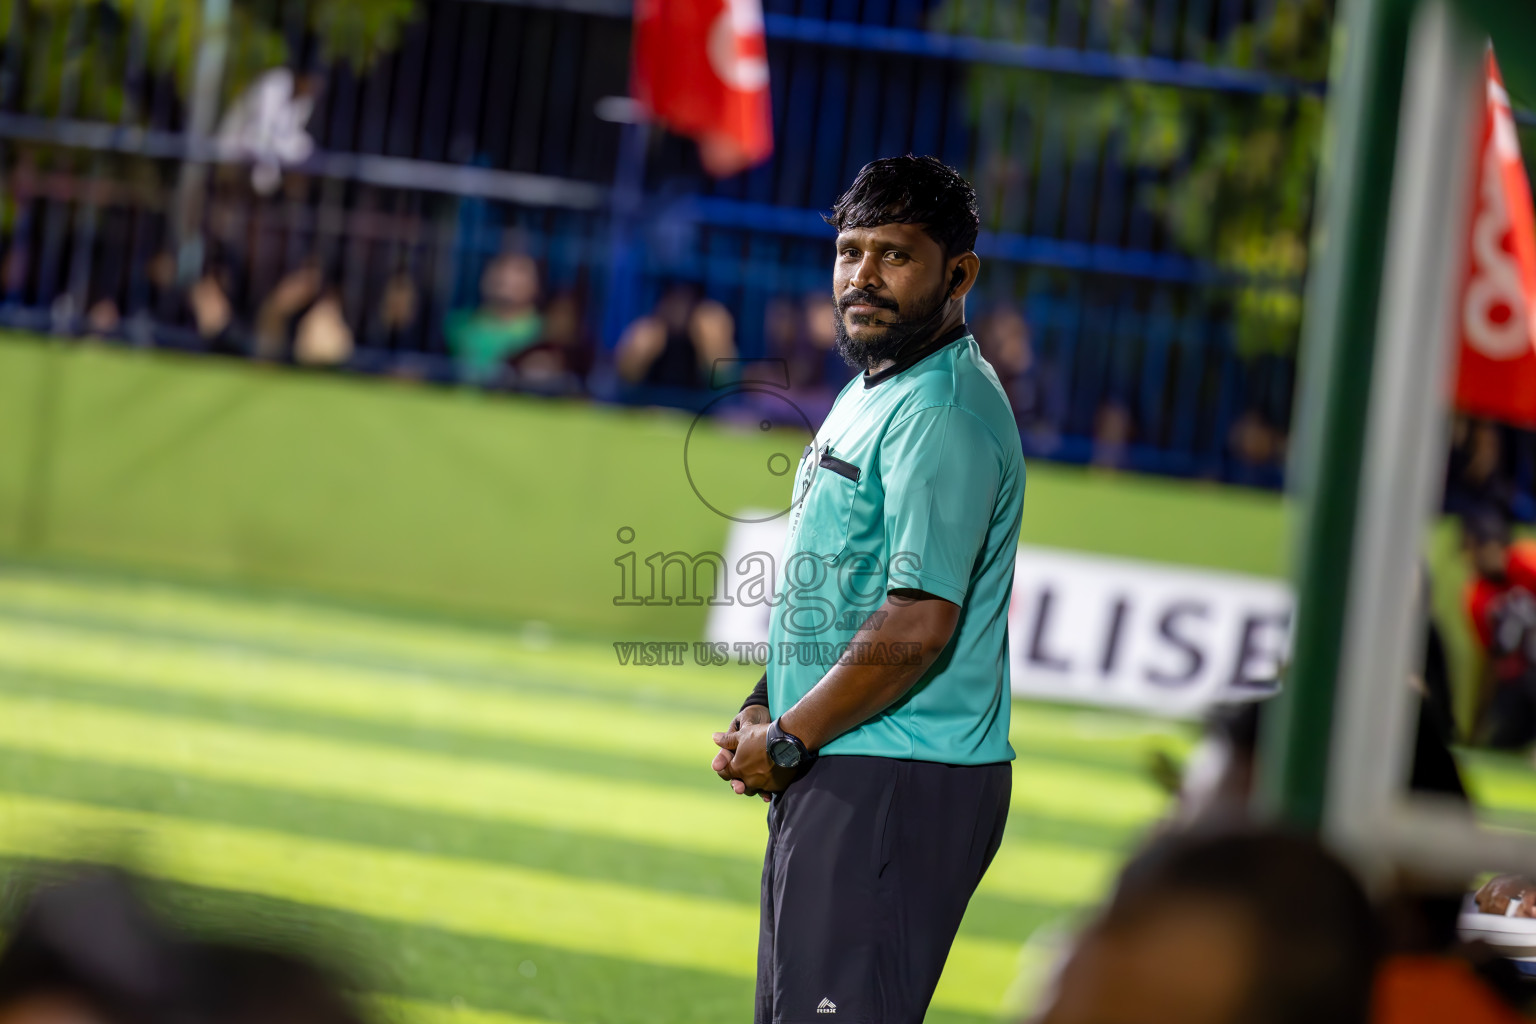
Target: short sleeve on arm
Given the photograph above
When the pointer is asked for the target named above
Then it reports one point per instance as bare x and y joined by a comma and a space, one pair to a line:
941, 470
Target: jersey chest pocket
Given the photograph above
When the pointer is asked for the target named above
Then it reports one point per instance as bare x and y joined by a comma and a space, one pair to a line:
828, 515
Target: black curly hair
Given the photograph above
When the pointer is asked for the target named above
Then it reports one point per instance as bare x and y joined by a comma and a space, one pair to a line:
912, 190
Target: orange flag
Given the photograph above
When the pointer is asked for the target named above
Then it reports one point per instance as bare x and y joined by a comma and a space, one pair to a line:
1497, 375
701, 68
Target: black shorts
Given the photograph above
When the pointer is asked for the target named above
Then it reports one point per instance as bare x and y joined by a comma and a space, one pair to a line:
871, 862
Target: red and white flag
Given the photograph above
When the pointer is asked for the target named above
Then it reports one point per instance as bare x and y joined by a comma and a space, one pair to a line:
1497, 375
701, 68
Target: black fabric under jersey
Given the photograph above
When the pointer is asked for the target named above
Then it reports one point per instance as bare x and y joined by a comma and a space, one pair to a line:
759, 694
870, 864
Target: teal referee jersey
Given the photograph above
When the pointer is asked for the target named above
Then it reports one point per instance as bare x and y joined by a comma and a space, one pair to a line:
915, 480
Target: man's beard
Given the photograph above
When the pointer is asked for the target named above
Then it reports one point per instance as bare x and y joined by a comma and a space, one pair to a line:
866, 355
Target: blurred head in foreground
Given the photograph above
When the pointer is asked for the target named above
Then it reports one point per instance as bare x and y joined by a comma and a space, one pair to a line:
86, 950
1235, 928
1217, 786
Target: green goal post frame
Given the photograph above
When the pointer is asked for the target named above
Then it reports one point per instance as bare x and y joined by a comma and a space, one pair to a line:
1404, 124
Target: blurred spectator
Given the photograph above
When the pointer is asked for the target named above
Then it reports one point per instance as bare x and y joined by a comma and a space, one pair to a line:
212, 314
1217, 784
294, 294
1419, 916
562, 358
103, 318
1222, 929
161, 274
1256, 442
675, 346
814, 363
781, 337
322, 337
802, 339
1007, 343
267, 123
1501, 609
1113, 429
205, 307
399, 306
1003, 337
1475, 477
507, 322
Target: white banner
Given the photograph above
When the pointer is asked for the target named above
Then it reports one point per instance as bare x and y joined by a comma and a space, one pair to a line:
1090, 629
1163, 638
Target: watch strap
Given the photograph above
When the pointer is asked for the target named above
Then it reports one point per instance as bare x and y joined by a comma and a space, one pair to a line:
777, 733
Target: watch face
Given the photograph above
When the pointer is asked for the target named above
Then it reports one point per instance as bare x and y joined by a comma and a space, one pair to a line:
784, 753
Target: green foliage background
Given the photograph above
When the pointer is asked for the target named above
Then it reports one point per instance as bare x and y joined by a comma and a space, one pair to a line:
79, 52
1236, 170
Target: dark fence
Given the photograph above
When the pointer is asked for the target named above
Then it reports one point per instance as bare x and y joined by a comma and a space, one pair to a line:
447, 133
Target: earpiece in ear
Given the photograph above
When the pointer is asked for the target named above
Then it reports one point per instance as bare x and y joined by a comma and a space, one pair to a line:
955, 279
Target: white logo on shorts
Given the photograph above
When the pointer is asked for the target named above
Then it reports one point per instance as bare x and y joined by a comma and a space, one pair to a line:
826, 1006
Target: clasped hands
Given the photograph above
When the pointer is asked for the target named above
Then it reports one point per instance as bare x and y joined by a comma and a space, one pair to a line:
743, 758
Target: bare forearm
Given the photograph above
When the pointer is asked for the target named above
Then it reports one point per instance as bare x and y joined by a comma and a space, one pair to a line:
846, 697
910, 637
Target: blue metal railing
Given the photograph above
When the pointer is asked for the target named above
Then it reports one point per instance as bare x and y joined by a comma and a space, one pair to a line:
1056, 60
479, 134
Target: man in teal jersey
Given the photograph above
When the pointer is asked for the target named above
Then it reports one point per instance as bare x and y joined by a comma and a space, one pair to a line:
880, 730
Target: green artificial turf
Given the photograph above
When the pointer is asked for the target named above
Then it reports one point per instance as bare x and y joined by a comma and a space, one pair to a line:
486, 827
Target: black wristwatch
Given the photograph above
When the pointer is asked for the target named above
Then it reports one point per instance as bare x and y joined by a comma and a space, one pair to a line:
785, 750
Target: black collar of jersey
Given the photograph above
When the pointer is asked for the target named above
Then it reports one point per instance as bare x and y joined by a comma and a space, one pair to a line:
917, 355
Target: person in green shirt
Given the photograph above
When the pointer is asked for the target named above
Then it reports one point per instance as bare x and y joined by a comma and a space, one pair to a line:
880, 729
507, 322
